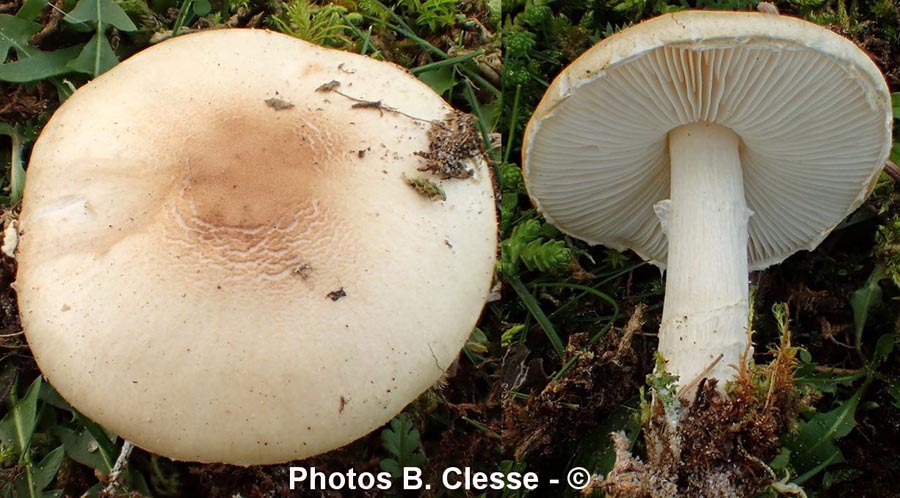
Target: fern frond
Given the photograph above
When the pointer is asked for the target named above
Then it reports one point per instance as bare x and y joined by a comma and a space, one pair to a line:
322, 25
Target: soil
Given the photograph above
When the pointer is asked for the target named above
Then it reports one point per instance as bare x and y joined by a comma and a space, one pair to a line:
557, 411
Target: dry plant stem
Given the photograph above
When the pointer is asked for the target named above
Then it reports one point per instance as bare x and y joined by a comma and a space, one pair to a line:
706, 304
692, 386
892, 170
121, 463
376, 104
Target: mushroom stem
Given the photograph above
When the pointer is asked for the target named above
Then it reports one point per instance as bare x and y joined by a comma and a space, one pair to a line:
706, 305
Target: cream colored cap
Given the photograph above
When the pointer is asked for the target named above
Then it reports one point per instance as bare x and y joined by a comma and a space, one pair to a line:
812, 111
220, 257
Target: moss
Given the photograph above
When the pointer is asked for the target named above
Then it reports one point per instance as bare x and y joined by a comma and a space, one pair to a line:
718, 444
887, 247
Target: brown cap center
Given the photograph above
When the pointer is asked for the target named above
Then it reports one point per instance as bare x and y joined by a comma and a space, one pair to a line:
257, 187
253, 171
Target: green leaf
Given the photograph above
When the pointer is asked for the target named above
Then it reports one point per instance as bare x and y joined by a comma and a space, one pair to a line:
864, 299
64, 88
41, 65
813, 445
102, 11
894, 390
82, 447
392, 467
883, 348
491, 112
51, 396
201, 7
182, 17
45, 472
615, 259
510, 334
7, 371
402, 441
440, 80
15, 33
106, 447
478, 342
781, 461
136, 481
895, 102
16, 167
895, 153
31, 9
596, 451
96, 58
18, 425
23, 490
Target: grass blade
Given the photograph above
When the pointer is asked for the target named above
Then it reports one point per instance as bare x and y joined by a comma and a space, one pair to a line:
531, 304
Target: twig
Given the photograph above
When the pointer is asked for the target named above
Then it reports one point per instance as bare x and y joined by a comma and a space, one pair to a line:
892, 170
371, 104
121, 463
836, 370
687, 388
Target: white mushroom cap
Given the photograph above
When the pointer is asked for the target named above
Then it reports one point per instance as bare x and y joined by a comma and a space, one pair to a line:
811, 109
190, 217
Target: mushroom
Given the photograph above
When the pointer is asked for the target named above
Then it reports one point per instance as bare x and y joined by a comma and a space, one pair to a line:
711, 144
220, 258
